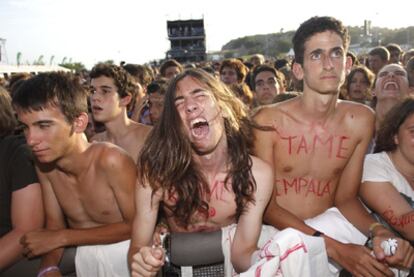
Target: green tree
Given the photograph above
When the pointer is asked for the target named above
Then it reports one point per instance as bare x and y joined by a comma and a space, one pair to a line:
76, 67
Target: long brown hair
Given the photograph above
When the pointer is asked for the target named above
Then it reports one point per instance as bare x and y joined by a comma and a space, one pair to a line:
166, 159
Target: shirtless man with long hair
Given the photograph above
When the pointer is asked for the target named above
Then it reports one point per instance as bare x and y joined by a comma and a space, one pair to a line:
196, 166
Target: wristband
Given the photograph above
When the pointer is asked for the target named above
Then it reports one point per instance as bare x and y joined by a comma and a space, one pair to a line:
47, 269
372, 227
317, 234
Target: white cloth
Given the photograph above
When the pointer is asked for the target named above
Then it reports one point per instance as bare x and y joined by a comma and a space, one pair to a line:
291, 253
379, 168
107, 260
333, 224
227, 238
312, 262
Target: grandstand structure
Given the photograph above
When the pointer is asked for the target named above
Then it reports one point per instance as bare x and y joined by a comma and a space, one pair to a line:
187, 39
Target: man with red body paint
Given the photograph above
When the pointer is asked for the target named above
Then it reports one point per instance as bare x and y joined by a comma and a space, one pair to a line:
317, 148
195, 166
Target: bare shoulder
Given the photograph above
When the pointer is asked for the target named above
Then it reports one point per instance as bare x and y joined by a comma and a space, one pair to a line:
355, 107
259, 164
265, 115
110, 156
356, 112
141, 129
262, 171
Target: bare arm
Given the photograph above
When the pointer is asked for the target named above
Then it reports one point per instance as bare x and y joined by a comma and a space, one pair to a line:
54, 221
250, 223
347, 201
383, 198
140, 255
26, 214
121, 175
346, 197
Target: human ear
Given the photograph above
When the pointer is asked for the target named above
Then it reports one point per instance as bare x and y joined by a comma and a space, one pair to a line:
80, 123
348, 65
297, 71
125, 100
396, 141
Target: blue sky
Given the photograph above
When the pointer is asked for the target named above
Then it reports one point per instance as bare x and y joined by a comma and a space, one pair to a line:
90, 31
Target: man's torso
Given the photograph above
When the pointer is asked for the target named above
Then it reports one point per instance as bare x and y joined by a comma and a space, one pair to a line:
86, 200
309, 157
221, 212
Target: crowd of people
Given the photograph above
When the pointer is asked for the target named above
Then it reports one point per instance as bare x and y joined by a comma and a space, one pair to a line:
313, 157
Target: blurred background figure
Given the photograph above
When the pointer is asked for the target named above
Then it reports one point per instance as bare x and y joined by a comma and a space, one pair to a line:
232, 71
267, 84
170, 68
378, 58
409, 67
257, 59
156, 94
395, 53
358, 85
243, 92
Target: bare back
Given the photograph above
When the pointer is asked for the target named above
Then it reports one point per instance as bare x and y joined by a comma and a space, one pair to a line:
310, 156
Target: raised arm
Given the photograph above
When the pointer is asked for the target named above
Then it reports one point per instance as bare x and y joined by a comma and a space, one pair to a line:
249, 225
26, 215
141, 257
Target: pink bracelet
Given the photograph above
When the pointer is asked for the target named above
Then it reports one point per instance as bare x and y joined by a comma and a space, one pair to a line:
47, 269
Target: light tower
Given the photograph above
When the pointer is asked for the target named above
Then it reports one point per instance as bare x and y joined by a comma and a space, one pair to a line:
3, 54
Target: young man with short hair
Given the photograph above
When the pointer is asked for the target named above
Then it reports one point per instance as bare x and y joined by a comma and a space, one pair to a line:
113, 93
267, 84
317, 148
87, 188
378, 58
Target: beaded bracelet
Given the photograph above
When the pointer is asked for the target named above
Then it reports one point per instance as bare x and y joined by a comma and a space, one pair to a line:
47, 269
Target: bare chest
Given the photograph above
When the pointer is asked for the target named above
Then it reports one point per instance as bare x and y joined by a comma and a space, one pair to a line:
221, 210
308, 166
87, 200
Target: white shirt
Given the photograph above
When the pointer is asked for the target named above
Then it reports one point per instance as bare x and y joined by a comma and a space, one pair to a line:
378, 167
